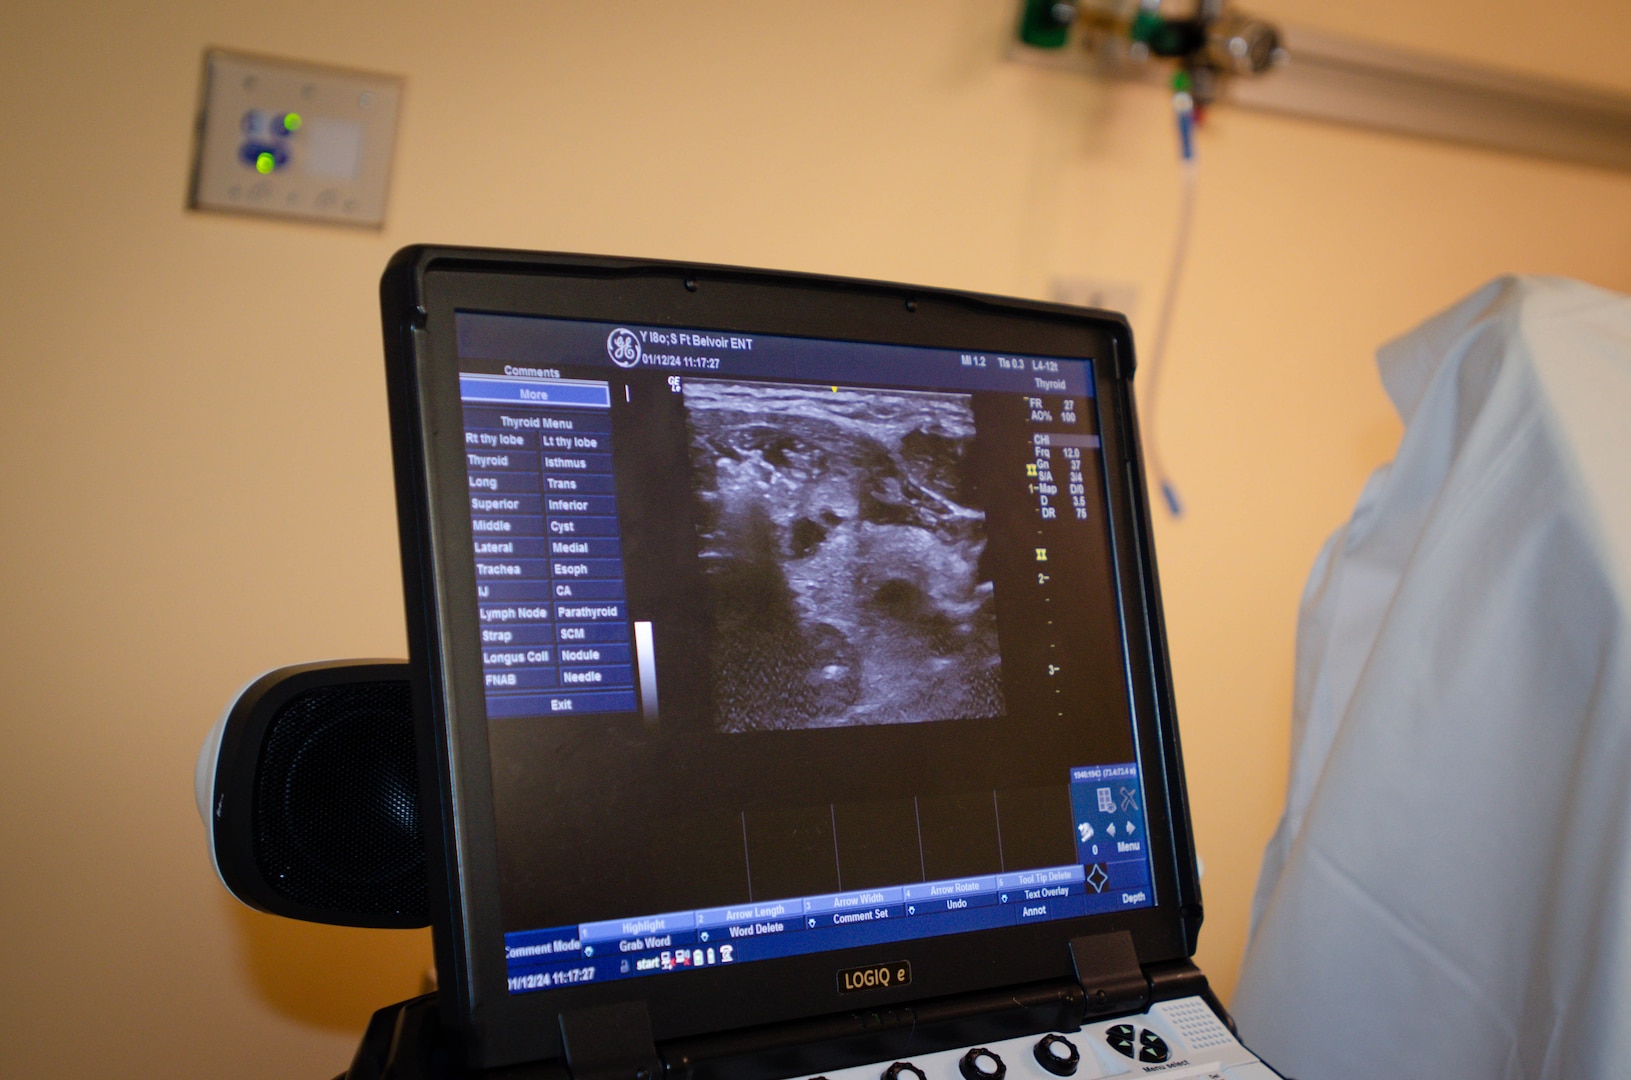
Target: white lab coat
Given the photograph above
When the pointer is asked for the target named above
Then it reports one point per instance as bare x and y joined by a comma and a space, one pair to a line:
1449, 891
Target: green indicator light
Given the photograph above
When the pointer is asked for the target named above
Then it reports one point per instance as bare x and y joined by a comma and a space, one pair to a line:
291, 121
265, 163
1041, 25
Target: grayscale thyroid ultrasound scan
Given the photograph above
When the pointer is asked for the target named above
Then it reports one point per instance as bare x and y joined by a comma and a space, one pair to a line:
842, 543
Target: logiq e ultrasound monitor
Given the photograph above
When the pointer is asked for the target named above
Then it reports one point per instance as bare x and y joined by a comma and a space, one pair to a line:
789, 672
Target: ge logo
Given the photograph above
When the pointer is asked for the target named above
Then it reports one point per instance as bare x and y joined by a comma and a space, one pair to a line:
623, 346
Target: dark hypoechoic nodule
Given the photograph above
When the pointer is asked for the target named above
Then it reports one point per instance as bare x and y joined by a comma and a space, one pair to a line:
842, 556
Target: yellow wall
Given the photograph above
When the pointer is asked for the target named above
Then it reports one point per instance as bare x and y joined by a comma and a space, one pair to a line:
194, 480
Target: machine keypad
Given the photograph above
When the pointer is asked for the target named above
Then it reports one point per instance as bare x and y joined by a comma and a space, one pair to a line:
1178, 1039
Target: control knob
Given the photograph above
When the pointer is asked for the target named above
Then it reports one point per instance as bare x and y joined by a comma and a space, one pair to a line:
981, 1064
1058, 1055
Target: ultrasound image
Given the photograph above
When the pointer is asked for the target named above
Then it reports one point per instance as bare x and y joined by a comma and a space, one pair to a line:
842, 556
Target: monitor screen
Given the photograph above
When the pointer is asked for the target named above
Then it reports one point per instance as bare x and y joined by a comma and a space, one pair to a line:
790, 645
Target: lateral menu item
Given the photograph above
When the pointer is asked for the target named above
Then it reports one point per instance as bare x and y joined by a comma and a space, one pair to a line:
782, 647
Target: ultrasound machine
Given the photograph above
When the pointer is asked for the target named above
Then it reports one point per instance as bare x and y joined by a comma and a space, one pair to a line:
789, 681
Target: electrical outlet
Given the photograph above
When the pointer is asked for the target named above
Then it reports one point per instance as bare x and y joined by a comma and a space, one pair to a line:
290, 139
1105, 293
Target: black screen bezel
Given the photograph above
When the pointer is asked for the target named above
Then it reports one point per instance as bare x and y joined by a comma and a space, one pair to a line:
421, 292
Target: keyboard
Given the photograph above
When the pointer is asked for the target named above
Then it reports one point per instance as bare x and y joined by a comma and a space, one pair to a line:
1175, 1040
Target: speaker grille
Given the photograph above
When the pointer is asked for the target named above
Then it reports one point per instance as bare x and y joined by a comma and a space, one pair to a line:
336, 812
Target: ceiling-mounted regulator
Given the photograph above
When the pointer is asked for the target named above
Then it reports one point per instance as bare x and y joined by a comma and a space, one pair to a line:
1214, 43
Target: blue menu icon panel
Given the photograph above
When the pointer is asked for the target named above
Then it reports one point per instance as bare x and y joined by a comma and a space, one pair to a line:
1108, 806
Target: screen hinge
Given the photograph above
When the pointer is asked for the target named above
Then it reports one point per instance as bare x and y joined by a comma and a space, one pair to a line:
610, 1042
1110, 975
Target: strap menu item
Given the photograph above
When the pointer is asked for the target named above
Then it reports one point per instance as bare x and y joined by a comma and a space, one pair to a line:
555, 631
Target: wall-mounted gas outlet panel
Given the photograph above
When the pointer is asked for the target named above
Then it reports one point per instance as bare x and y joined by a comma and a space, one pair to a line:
289, 139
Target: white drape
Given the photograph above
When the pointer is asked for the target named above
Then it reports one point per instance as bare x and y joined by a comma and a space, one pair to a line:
1449, 891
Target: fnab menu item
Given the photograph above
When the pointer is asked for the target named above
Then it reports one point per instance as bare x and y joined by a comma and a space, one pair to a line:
555, 631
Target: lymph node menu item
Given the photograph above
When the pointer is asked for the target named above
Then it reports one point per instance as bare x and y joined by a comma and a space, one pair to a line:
555, 631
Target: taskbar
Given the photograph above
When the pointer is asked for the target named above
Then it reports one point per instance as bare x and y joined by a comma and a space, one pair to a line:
685, 941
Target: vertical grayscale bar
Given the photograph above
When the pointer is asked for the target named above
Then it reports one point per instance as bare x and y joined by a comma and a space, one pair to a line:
747, 860
838, 863
922, 863
645, 655
996, 812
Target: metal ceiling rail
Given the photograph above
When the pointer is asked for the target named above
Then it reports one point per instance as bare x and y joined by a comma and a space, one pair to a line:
1340, 79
